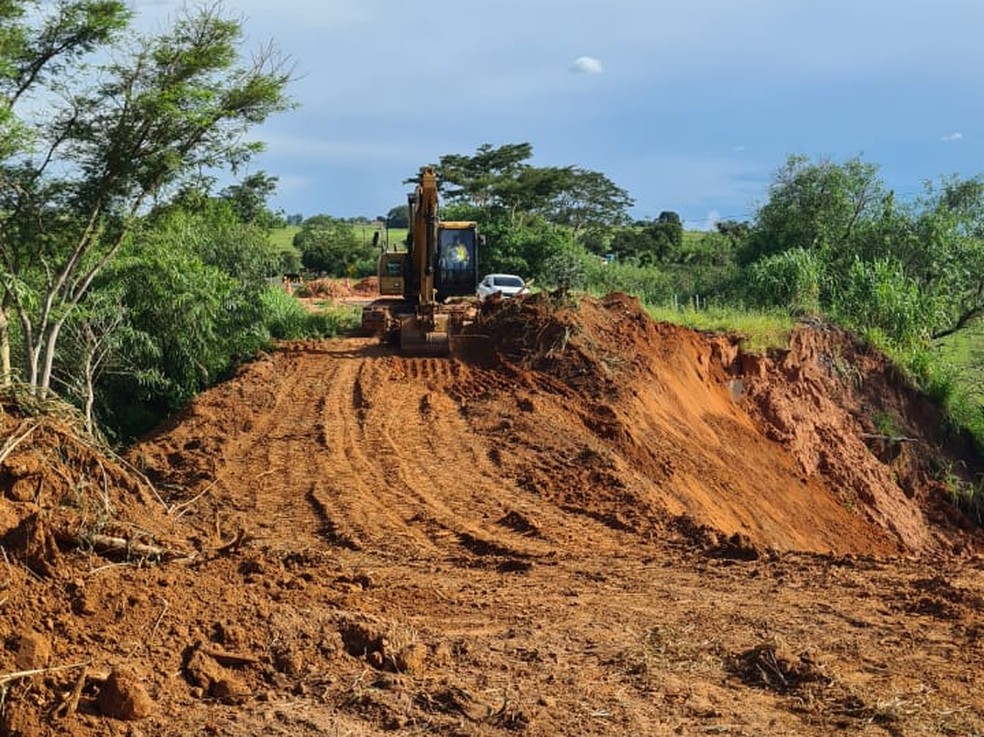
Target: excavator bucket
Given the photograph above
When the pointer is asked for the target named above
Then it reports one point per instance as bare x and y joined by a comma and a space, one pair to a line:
415, 340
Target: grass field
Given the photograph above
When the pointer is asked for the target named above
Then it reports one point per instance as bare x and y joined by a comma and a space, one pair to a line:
390, 237
759, 330
284, 237
965, 350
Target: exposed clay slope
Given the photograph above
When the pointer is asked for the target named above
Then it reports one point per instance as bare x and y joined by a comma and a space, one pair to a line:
678, 423
585, 526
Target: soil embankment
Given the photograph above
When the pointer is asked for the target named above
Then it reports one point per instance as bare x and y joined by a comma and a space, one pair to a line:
587, 523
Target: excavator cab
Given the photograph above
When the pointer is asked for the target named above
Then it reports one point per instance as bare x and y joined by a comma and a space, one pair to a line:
457, 264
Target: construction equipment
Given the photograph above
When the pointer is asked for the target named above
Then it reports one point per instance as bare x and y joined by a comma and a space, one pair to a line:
440, 263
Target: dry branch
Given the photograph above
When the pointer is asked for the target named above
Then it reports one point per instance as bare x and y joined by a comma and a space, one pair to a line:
69, 703
242, 538
185, 506
889, 438
14, 441
109, 544
6, 678
226, 658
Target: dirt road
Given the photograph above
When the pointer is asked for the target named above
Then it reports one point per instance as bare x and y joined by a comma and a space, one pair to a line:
603, 526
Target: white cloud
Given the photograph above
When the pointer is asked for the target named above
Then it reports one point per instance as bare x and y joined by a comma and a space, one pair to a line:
587, 65
955, 136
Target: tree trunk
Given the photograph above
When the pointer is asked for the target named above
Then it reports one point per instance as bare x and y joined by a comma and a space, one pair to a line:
90, 392
43, 387
6, 370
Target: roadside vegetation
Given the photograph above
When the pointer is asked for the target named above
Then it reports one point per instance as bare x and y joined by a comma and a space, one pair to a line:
129, 283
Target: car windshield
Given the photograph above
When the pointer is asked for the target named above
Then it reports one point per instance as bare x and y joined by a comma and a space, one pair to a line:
507, 281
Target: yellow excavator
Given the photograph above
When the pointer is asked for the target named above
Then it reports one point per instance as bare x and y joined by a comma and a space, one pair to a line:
440, 262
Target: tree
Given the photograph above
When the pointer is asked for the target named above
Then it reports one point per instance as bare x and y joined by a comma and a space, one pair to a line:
508, 197
93, 344
815, 206
943, 249
108, 140
910, 271
588, 202
666, 232
249, 199
398, 217
473, 179
187, 288
736, 232
330, 246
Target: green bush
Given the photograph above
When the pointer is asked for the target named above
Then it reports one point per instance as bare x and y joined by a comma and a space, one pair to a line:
878, 296
790, 278
648, 283
287, 319
564, 271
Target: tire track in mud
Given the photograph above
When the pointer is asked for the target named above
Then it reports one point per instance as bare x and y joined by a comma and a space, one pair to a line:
267, 471
412, 479
349, 446
402, 473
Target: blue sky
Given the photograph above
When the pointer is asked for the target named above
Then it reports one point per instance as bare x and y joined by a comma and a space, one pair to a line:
689, 106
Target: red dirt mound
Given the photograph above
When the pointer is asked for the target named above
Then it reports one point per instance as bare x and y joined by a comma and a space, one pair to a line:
342, 289
587, 524
693, 424
327, 288
367, 287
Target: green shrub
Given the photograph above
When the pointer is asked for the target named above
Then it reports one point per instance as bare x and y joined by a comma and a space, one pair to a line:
287, 319
878, 296
648, 283
790, 279
564, 271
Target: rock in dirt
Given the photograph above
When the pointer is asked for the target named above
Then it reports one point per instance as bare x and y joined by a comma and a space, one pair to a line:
19, 720
9, 519
411, 658
124, 696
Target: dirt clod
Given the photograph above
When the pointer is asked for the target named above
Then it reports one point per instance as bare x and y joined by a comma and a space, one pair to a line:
124, 696
32, 651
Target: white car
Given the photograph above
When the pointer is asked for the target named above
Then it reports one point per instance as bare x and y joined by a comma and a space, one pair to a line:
509, 285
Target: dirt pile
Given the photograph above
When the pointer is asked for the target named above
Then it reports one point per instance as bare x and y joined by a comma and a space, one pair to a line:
685, 425
589, 523
62, 488
341, 289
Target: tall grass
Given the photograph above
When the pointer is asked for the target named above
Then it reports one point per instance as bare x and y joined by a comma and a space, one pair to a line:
759, 329
964, 353
287, 319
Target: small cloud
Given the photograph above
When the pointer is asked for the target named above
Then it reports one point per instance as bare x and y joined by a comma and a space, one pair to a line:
587, 65
955, 136
738, 149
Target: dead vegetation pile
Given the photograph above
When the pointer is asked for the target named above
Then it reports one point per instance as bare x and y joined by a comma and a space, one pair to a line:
326, 288
69, 507
340, 289
64, 488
